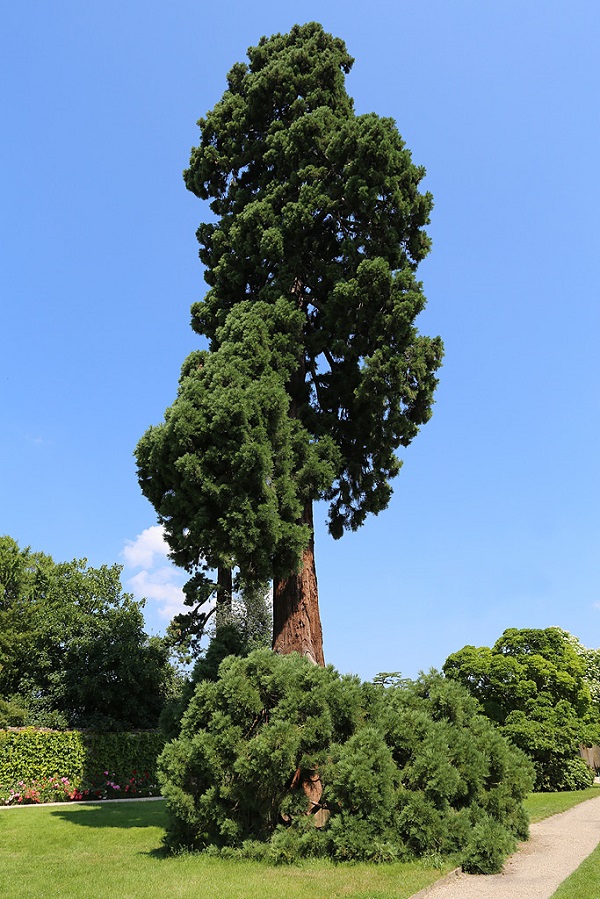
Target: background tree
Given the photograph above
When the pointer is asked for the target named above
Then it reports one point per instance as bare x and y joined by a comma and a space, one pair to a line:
73, 649
317, 214
532, 684
591, 663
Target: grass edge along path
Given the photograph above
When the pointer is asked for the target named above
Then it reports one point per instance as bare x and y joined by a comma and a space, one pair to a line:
584, 882
543, 805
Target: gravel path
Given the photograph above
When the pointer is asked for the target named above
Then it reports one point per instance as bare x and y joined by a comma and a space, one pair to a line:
557, 847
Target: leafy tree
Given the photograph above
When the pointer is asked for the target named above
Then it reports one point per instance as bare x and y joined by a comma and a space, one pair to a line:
532, 684
285, 759
20, 572
73, 651
316, 373
591, 662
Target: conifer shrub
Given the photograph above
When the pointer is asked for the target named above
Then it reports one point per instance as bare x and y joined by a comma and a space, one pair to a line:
489, 844
282, 759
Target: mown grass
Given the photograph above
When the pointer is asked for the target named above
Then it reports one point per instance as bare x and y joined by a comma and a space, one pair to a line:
584, 883
111, 850
542, 805
103, 851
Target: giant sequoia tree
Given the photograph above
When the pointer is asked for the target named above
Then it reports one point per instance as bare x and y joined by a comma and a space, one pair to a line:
316, 373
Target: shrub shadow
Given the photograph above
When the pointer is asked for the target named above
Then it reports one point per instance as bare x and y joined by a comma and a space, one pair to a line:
120, 815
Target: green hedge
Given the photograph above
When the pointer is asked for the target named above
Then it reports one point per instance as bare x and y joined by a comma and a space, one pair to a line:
85, 758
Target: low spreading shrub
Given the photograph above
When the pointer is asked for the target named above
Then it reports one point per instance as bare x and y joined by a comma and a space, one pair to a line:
284, 758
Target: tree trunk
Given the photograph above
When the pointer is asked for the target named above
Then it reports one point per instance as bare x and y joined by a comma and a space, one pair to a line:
296, 618
224, 593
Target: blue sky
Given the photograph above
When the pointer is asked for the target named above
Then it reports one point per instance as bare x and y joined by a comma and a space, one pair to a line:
494, 522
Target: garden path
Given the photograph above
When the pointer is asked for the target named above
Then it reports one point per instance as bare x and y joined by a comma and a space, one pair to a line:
556, 847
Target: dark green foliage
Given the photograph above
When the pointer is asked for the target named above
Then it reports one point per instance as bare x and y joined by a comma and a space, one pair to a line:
73, 652
532, 683
84, 758
227, 641
410, 769
317, 373
321, 207
489, 845
225, 463
121, 754
12, 714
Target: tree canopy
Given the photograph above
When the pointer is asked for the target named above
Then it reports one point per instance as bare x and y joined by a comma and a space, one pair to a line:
73, 651
532, 683
591, 663
316, 373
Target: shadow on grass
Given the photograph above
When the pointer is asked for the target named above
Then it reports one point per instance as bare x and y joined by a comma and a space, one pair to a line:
160, 852
122, 815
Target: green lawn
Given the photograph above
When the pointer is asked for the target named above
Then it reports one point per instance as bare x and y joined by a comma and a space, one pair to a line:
113, 850
542, 805
584, 883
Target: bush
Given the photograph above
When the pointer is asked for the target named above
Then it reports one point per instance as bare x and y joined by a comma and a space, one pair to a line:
292, 756
489, 845
575, 775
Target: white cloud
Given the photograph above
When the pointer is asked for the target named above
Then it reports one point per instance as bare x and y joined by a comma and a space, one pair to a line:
160, 587
158, 581
140, 553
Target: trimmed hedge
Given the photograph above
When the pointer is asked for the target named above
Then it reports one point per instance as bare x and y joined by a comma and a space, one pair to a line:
30, 755
121, 754
85, 758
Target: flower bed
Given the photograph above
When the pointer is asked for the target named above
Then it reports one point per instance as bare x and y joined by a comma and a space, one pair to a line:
45, 766
60, 789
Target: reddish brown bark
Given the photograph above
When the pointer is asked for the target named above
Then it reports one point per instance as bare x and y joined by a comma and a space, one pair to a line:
296, 617
311, 784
